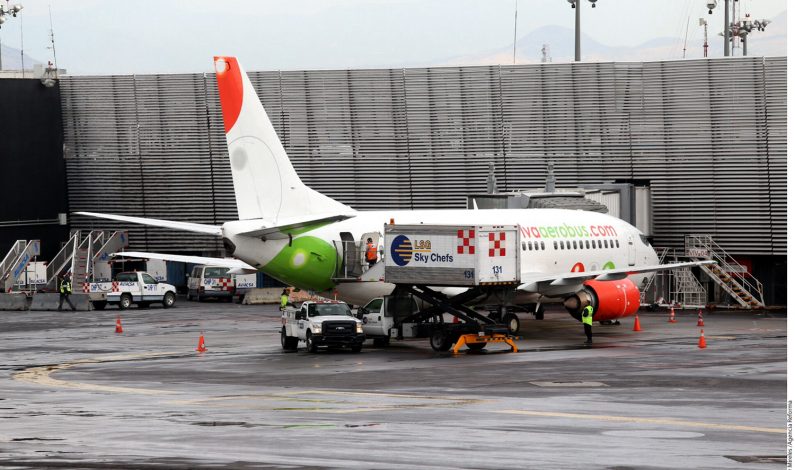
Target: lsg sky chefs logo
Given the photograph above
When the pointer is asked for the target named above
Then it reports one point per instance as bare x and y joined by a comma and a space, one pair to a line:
401, 250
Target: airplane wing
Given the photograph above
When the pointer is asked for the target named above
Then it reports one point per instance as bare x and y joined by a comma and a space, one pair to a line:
186, 226
291, 224
235, 265
531, 281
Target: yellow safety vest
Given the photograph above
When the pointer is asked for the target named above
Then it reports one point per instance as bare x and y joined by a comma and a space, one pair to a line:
66, 287
587, 315
285, 299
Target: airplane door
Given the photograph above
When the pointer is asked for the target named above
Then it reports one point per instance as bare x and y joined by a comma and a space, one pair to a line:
631, 252
376, 238
350, 256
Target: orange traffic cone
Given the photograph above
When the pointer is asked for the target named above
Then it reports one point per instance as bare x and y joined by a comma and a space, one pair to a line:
672, 316
702, 342
637, 324
118, 325
700, 319
201, 347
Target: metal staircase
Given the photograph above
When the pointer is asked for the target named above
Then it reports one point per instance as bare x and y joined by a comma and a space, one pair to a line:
745, 289
63, 261
104, 245
16, 261
687, 291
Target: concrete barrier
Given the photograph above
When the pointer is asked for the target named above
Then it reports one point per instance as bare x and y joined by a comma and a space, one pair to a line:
49, 301
14, 301
268, 295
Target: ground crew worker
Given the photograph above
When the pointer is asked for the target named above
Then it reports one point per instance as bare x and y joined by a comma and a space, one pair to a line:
371, 255
587, 321
284, 299
65, 290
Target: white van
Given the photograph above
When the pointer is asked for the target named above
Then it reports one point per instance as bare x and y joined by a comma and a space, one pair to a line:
211, 281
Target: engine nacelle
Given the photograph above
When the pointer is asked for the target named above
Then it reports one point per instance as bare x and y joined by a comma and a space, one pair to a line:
610, 299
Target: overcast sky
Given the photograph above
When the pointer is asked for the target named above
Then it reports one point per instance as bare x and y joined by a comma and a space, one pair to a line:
115, 36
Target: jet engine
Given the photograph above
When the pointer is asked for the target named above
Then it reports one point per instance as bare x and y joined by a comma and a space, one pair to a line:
610, 299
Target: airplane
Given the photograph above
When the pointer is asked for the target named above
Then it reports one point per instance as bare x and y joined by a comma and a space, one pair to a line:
293, 233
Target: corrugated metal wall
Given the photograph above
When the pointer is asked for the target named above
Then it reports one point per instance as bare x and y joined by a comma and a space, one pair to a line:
709, 134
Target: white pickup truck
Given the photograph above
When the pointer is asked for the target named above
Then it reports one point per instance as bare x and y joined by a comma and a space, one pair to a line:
135, 288
321, 323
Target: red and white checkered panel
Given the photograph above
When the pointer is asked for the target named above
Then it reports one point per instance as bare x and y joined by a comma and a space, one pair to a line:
466, 242
86, 288
496, 245
114, 286
226, 284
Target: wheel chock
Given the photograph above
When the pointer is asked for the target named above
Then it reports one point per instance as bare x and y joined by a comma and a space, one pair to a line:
484, 339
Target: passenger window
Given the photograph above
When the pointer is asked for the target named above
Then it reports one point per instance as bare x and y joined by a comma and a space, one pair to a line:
536, 245
600, 244
530, 246
555, 244
616, 243
524, 246
543, 246
611, 243
581, 244
568, 245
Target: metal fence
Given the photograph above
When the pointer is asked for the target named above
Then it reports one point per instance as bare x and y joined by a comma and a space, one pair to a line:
708, 134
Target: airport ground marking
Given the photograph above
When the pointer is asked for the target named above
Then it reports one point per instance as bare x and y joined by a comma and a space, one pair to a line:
42, 375
632, 419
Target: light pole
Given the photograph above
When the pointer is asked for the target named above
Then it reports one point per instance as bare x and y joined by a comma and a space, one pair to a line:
576, 5
711, 5
5, 11
743, 28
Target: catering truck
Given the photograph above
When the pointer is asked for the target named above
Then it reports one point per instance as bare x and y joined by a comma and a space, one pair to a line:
321, 323
447, 268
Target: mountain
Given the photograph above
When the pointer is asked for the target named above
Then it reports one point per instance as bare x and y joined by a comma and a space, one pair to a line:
771, 42
12, 61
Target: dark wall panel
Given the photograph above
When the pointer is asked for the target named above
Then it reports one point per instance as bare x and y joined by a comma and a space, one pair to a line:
33, 176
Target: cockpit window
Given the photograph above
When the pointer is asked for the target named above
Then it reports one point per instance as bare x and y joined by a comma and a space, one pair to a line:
645, 240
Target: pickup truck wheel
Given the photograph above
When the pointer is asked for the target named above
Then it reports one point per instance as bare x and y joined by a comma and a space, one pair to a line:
311, 346
289, 343
440, 341
512, 321
168, 300
100, 305
125, 301
356, 348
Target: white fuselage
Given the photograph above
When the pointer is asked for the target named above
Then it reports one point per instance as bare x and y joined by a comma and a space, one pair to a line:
553, 241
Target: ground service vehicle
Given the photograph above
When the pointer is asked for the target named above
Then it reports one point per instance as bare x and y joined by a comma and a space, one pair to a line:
207, 282
137, 288
379, 316
321, 323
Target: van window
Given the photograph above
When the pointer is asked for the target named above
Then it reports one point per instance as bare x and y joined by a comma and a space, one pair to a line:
215, 272
196, 271
374, 305
148, 279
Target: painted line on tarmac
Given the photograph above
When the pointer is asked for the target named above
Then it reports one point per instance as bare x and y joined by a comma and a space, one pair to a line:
630, 419
341, 403
42, 375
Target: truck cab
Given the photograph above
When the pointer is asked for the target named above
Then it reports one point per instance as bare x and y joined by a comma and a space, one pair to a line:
142, 289
380, 315
321, 323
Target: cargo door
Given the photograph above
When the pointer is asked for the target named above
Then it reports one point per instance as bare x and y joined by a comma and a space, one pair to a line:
497, 255
351, 265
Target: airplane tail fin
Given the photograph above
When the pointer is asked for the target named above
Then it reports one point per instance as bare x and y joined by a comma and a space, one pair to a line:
266, 184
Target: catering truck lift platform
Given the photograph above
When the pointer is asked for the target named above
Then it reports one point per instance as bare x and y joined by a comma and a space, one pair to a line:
446, 267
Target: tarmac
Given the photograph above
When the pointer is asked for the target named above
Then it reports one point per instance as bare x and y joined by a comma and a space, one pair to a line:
74, 394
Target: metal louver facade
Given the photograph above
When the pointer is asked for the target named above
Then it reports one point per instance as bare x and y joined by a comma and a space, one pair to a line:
708, 134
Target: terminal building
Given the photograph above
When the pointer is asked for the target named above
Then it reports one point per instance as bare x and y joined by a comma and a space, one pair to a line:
705, 137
